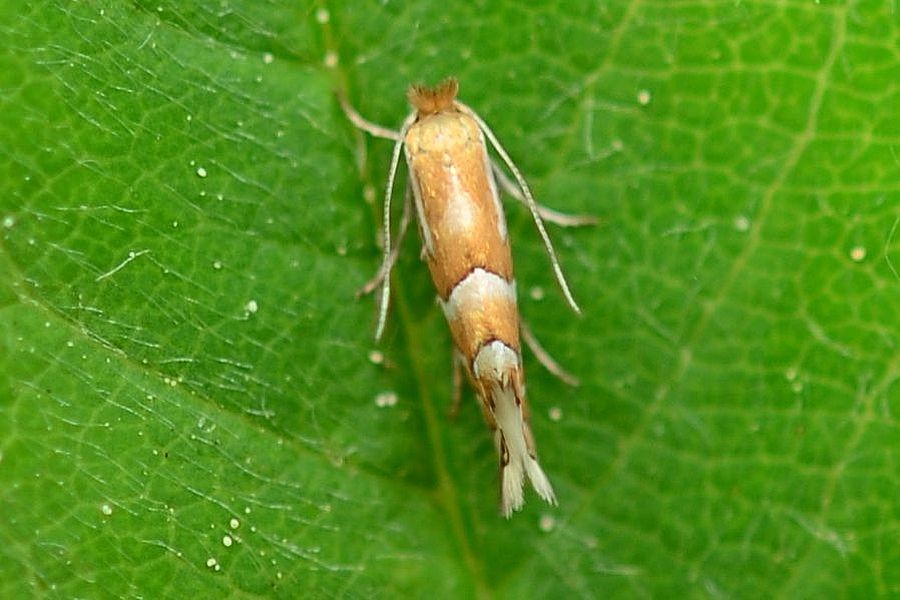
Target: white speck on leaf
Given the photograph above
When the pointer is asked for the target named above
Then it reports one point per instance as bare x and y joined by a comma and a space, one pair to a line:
369, 193
742, 223
386, 399
547, 523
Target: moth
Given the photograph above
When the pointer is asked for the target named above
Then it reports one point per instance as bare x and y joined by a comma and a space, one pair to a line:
453, 189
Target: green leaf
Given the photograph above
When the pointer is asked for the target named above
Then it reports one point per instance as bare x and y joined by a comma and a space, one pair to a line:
191, 402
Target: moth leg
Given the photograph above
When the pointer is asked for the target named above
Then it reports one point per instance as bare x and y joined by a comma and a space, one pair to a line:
361, 123
545, 359
456, 401
388, 263
548, 214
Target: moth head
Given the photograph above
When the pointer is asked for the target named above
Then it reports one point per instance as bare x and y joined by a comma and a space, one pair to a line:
432, 100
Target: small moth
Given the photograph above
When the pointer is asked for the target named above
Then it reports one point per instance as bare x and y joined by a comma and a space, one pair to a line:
453, 187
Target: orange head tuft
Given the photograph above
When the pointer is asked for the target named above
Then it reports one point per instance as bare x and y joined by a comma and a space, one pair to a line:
429, 101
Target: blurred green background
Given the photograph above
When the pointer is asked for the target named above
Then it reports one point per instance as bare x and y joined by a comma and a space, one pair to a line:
191, 402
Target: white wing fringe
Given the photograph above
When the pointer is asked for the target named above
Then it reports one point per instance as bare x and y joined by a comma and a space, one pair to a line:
517, 459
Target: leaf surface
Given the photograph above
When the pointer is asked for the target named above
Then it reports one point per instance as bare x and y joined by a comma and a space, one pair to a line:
190, 400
